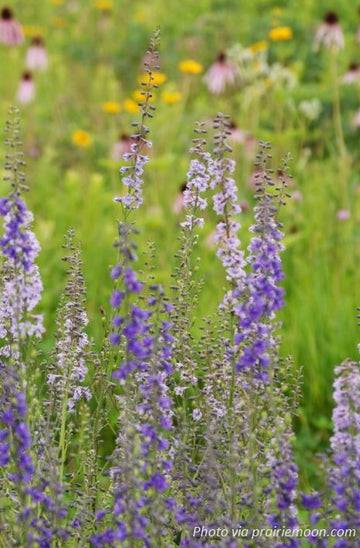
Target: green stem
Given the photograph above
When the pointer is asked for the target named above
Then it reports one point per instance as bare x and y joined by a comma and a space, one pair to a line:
339, 134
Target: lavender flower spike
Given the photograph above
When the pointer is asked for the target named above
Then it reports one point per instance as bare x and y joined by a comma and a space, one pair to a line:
344, 474
22, 286
226, 205
132, 174
256, 312
197, 182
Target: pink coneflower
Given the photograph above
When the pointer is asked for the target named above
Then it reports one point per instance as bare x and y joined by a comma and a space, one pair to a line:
121, 147
26, 89
179, 200
352, 74
220, 75
329, 33
36, 56
11, 32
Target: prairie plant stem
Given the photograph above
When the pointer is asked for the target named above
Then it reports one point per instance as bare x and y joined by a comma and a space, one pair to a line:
343, 168
62, 448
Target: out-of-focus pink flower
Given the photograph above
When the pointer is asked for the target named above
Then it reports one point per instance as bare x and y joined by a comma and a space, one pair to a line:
343, 215
356, 120
36, 56
220, 75
26, 89
121, 147
255, 178
352, 75
237, 135
285, 178
179, 200
329, 33
244, 204
11, 32
297, 196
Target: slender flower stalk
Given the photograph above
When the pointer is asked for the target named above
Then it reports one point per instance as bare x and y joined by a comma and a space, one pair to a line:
132, 174
263, 297
344, 472
24, 494
226, 205
68, 370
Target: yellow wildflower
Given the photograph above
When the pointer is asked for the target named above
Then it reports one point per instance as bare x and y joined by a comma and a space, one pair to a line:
104, 5
280, 34
158, 78
111, 107
189, 66
58, 22
267, 82
32, 30
171, 97
276, 12
131, 106
81, 138
57, 2
140, 16
139, 96
261, 45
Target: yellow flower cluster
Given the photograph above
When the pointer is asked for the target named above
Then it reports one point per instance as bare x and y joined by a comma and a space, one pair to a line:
171, 97
32, 30
81, 138
131, 106
261, 45
103, 5
158, 78
111, 107
280, 34
189, 66
140, 96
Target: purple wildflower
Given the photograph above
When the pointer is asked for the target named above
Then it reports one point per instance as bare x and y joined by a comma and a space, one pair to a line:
344, 473
263, 297
197, 183
281, 494
68, 372
132, 175
226, 205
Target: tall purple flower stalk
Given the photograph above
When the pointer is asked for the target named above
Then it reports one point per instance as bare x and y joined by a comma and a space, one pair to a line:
226, 205
132, 175
142, 461
67, 369
22, 286
344, 472
23, 493
263, 297
142, 344
281, 492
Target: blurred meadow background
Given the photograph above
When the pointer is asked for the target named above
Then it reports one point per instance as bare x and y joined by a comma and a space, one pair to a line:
304, 100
